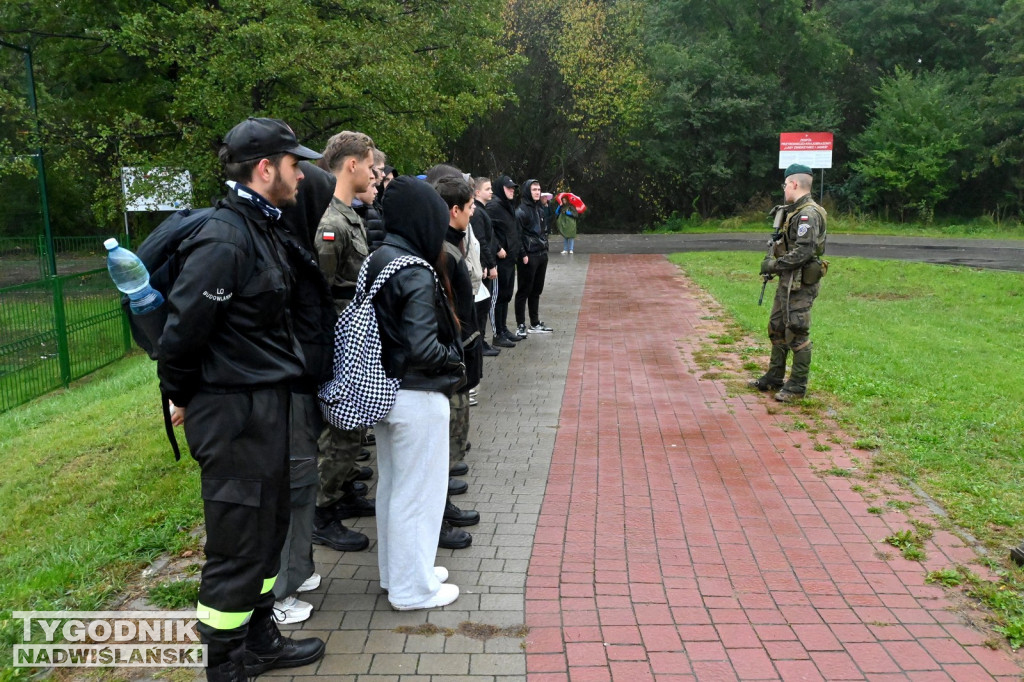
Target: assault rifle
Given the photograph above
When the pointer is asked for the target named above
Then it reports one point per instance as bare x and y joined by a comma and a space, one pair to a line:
779, 214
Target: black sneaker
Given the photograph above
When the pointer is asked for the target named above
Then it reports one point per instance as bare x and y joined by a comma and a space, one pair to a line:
503, 341
453, 538
490, 352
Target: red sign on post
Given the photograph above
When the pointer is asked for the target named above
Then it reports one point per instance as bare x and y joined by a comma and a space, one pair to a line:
810, 149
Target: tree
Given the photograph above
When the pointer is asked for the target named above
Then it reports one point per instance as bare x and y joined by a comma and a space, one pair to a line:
921, 127
731, 76
158, 83
1004, 108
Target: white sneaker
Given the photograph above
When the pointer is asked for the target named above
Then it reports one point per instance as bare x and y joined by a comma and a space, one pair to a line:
445, 596
539, 329
312, 582
440, 572
570, 252
292, 610
564, 252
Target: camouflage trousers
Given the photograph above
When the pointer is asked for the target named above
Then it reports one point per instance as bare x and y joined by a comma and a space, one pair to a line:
789, 324
458, 428
337, 462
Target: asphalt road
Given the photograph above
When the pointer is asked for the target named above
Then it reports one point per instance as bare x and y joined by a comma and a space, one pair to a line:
994, 254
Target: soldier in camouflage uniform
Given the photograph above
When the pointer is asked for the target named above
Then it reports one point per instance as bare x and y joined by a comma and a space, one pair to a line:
796, 261
341, 244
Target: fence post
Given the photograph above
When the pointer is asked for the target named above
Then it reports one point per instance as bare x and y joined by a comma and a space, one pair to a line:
60, 325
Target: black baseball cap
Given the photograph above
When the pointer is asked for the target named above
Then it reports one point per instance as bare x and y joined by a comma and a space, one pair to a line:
259, 138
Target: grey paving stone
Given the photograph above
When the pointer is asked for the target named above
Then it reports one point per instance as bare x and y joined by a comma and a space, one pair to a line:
443, 664
513, 432
394, 664
497, 664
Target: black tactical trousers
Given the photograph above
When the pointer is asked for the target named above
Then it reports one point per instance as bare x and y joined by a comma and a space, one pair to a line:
506, 285
240, 441
530, 286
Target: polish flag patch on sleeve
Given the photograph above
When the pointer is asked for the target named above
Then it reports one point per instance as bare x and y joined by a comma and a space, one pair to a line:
328, 236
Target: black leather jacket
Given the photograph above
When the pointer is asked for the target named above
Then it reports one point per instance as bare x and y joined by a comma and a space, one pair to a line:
228, 327
419, 337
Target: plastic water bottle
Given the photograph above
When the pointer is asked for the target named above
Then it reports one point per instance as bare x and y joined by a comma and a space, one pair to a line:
131, 277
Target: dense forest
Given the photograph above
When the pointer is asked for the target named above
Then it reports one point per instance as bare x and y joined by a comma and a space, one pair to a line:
647, 108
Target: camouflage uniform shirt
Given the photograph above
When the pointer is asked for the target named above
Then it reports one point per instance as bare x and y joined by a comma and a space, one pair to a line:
341, 245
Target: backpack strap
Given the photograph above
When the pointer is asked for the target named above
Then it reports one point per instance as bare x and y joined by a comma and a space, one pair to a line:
239, 222
391, 268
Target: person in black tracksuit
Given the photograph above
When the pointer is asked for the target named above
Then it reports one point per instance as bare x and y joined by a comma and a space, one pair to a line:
533, 263
483, 230
502, 213
227, 362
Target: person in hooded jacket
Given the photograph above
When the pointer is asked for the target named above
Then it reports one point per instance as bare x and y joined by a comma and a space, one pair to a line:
421, 346
533, 265
313, 320
502, 212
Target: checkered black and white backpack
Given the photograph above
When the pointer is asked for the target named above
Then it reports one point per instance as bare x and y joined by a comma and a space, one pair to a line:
360, 394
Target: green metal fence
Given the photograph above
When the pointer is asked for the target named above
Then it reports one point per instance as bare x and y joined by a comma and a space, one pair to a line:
56, 330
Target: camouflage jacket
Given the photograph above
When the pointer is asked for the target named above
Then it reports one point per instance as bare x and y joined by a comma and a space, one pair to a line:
803, 238
342, 247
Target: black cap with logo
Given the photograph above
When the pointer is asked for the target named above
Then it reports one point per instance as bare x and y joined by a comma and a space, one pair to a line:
260, 138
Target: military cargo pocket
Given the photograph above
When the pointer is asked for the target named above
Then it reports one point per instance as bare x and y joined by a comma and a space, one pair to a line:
232, 509
812, 273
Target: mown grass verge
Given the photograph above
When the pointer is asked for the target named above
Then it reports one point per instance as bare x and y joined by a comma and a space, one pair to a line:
90, 493
757, 221
924, 361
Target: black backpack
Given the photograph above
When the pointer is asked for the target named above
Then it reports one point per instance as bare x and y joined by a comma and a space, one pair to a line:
161, 253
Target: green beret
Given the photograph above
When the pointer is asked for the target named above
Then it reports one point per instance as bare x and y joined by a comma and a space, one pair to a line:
795, 168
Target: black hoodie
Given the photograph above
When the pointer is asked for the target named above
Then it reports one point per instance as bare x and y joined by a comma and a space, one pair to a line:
419, 336
312, 308
503, 220
533, 230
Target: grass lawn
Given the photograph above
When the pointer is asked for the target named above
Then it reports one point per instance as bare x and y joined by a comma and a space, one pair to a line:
90, 493
925, 362
839, 223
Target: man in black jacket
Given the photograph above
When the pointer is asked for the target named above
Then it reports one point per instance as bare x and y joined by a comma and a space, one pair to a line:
484, 233
533, 265
228, 357
503, 219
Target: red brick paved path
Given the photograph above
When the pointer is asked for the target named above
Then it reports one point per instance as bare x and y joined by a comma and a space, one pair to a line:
683, 536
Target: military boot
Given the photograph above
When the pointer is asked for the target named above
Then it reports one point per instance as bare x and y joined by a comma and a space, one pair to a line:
232, 670
267, 649
776, 374
796, 387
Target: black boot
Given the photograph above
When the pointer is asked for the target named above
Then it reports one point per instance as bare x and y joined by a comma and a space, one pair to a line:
352, 504
459, 469
329, 531
776, 374
460, 517
453, 538
267, 649
232, 670
796, 387
457, 486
